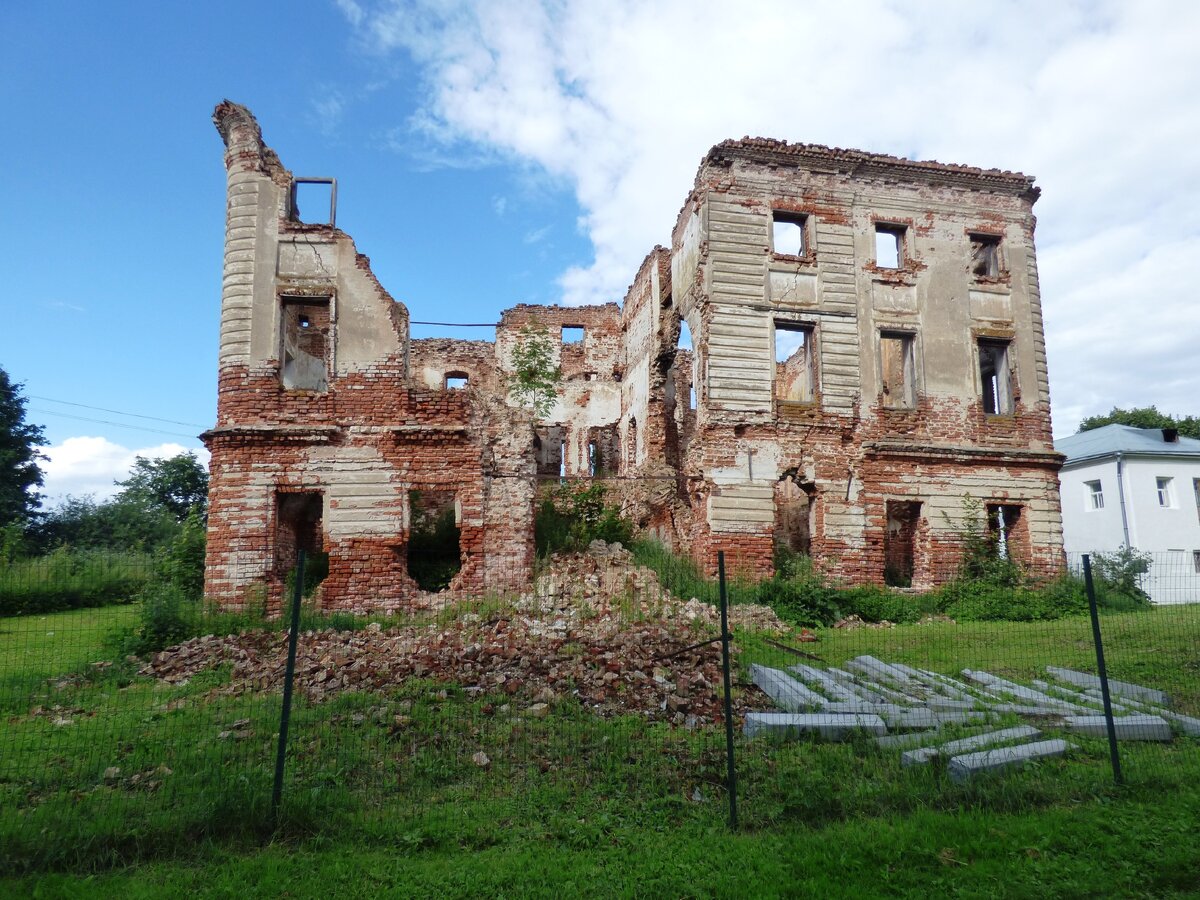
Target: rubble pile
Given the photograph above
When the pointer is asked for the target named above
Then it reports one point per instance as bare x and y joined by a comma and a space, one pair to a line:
595, 628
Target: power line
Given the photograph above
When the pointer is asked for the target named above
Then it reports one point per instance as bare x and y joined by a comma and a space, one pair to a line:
116, 412
50, 412
457, 324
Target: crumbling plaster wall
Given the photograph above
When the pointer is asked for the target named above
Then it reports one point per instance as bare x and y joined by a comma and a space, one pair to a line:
363, 437
848, 443
892, 410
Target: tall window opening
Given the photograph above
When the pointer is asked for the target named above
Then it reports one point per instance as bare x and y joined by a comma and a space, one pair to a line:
1165, 490
305, 344
1095, 494
298, 517
794, 514
434, 554
995, 377
900, 542
985, 256
1002, 521
889, 246
794, 363
314, 201
898, 370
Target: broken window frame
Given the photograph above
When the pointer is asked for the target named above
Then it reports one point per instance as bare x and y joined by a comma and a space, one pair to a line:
908, 350
986, 254
800, 220
997, 384
294, 207
809, 387
897, 232
292, 301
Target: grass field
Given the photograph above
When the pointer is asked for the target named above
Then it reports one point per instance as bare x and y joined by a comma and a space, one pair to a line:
122, 786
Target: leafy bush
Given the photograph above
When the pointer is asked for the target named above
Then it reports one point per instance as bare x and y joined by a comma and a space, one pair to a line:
168, 616
1118, 578
181, 561
575, 515
874, 603
987, 601
71, 579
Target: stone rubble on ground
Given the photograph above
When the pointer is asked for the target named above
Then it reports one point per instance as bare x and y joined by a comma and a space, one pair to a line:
596, 629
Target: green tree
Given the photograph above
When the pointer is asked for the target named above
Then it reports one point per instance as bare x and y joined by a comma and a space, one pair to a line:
1144, 417
534, 380
178, 484
147, 513
19, 471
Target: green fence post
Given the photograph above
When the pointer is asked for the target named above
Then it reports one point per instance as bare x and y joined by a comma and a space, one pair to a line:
731, 769
285, 714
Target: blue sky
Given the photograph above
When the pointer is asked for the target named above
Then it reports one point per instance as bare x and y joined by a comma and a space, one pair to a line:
495, 153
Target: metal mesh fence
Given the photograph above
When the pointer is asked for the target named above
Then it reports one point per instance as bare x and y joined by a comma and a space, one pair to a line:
591, 695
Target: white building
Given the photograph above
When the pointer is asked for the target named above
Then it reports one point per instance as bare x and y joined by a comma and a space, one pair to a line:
1138, 487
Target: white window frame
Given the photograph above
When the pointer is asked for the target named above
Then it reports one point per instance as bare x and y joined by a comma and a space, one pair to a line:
1166, 494
1095, 496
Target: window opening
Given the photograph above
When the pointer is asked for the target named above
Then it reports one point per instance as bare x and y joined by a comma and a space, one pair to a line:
562, 460
1002, 520
793, 514
434, 553
985, 255
889, 246
631, 454
788, 234
1095, 495
899, 542
314, 201
896, 363
456, 381
304, 351
1163, 486
1196, 560
593, 458
794, 359
572, 334
996, 378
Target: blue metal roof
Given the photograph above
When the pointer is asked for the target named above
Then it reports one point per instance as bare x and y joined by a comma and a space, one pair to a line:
1126, 440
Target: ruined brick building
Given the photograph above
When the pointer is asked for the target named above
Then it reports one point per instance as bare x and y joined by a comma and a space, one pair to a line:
866, 348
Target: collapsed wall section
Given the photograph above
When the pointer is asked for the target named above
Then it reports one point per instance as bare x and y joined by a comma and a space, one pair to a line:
324, 439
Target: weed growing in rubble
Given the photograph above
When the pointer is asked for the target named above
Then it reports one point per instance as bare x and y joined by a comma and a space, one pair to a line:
576, 514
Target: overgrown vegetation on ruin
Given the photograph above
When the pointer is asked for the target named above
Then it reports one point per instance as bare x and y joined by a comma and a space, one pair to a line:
535, 378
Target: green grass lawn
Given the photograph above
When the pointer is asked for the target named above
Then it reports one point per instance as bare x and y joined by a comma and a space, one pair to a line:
54, 643
122, 786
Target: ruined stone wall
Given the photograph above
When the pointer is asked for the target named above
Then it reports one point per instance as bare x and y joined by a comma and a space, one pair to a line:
317, 412
925, 436
921, 379
588, 409
433, 360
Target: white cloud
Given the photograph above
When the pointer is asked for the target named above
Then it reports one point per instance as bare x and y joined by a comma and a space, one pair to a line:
537, 235
91, 465
1100, 100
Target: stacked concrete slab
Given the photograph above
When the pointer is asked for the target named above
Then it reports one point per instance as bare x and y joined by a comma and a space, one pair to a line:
904, 708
